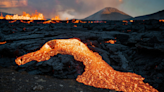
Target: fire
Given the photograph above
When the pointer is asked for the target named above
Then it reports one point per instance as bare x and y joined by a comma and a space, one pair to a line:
25, 16
111, 41
40, 16
56, 18
97, 72
1, 17
3, 42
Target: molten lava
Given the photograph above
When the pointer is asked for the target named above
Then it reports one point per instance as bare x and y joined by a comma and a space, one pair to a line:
25, 16
161, 20
111, 41
1, 17
2, 42
97, 72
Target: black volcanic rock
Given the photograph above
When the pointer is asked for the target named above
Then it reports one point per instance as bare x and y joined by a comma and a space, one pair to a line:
109, 13
139, 47
156, 15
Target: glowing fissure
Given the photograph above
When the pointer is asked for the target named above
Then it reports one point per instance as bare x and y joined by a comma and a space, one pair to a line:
3, 42
97, 72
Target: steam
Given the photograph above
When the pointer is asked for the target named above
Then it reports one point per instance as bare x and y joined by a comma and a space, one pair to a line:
64, 8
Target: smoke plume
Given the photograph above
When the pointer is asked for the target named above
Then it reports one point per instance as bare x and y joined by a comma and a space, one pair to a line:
64, 8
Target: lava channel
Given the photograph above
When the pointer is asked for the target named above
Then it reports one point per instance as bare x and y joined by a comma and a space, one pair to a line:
97, 72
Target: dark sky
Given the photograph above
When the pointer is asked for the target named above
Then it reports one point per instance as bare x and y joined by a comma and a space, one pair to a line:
79, 8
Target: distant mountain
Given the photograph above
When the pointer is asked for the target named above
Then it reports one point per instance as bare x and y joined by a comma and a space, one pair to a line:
109, 13
156, 15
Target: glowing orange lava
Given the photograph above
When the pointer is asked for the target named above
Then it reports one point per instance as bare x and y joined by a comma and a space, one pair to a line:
97, 72
1, 17
27, 21
3, 42
131, 20
111, 41
25, 16
74, 25
162, 20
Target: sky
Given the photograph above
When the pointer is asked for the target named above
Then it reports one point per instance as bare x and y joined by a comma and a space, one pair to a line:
80, 8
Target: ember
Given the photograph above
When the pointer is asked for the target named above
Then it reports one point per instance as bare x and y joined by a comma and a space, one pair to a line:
97, 72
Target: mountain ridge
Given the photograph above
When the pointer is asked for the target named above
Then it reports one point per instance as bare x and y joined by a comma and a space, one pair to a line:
108, 13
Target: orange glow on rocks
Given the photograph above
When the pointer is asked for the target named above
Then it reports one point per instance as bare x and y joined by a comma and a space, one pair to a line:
97, 72
1, 17
75, 26
162, 20
2, 42
131, 20
111, 41
12, 21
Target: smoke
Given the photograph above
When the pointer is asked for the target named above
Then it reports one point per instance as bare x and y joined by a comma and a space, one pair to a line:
64, 8
12, 3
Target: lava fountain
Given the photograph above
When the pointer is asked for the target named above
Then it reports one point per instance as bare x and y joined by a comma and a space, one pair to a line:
97, 72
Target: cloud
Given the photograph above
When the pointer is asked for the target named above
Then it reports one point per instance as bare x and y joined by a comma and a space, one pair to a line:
64, 8
12, 3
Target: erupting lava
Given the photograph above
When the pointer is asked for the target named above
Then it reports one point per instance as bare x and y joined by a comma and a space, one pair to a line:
25, 16
97, 72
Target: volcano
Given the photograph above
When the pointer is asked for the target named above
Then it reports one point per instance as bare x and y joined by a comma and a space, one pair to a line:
109, 13
156, 15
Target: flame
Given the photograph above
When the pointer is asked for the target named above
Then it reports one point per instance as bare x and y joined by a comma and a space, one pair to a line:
111, 41
56, 18
97, 72
1, 17
40, 16
25, 16
3, 42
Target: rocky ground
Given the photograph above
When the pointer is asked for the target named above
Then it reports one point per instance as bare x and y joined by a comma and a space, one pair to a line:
139, 48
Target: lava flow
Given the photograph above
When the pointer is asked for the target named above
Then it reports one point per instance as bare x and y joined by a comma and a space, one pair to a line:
97, 72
